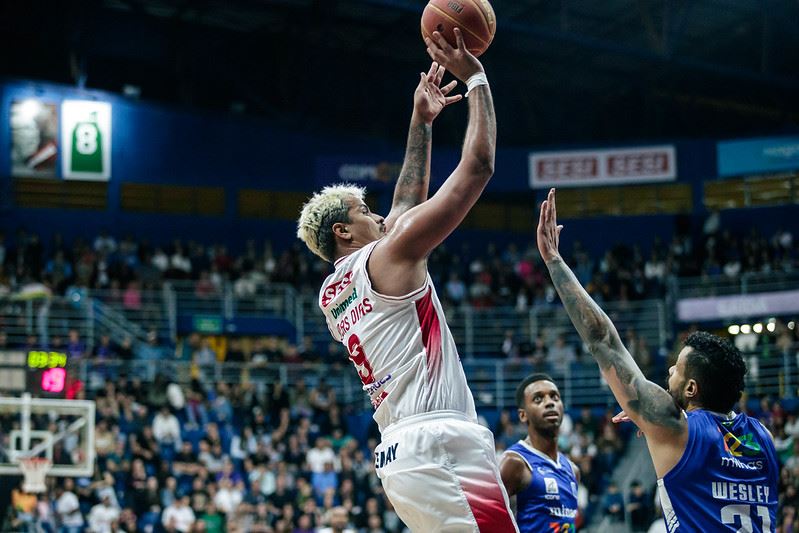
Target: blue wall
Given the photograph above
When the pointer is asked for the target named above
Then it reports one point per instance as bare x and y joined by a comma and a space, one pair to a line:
157, 144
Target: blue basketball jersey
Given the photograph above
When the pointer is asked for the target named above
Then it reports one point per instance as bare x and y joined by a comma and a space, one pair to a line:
549, 503
726, 479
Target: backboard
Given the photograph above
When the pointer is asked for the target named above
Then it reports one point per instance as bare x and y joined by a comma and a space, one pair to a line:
60, 430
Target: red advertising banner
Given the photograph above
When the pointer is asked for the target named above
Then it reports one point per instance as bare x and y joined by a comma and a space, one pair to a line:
603, 167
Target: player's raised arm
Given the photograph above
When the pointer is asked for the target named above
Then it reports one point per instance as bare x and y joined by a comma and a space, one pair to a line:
647, 404
414, 178
422, 228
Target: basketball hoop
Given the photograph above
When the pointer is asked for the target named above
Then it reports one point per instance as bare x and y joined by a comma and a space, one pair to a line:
34, 469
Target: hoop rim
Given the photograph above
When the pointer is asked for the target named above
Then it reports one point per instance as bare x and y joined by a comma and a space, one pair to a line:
30, 461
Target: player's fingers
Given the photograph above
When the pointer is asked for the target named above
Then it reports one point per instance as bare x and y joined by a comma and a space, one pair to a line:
452, 99
445, 90
432, 47
432, 71
442, 43
542, 215
459, 39
554, 206
440, 74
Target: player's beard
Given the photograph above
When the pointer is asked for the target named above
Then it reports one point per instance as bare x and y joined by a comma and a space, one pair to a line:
679, 396
545, 428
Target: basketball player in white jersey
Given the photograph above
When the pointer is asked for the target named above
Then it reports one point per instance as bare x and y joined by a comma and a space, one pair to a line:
436, 463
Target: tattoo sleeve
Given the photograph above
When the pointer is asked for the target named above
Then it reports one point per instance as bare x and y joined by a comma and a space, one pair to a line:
640, 398
414, 178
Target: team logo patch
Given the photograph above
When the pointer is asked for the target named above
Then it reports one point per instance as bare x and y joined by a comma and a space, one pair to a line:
334, 289
551, 485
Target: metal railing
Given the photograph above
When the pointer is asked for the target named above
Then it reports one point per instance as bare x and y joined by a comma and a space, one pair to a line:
493, 383
45, 318
132, 315
746, 283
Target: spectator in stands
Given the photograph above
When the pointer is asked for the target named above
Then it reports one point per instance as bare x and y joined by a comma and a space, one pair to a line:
338, 521
23, 505
67, 508
229, 496
211, 519
178, 516
324, 481
639, 505
105, 243
613, 503
104, 350
561, 355
103, 516
166, 430
76, 348
179, 263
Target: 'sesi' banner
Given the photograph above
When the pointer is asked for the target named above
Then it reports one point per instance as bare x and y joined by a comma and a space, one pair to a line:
643, 164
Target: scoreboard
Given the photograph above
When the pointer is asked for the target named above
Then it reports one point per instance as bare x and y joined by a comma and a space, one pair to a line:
42, 373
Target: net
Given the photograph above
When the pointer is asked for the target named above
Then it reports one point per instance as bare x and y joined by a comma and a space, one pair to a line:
35, 469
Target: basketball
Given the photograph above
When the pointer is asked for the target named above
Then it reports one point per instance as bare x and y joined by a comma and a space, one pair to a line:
475, 18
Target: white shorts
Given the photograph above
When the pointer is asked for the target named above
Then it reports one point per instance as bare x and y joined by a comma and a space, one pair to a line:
439, 471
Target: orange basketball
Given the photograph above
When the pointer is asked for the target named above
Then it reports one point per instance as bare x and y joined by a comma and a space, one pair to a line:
475, 18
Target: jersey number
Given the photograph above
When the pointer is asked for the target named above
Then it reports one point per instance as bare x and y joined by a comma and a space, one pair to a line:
743, 512
557, 527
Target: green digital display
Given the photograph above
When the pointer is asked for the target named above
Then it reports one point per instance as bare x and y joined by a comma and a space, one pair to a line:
41, 359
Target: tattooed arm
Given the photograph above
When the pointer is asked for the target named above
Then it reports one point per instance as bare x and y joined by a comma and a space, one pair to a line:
398, 264
414, 178
647, 404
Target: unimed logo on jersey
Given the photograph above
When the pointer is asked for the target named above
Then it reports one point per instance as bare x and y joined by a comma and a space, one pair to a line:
334, 289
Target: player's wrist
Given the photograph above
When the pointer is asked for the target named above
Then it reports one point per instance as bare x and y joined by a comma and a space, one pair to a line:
474, 81
418, 117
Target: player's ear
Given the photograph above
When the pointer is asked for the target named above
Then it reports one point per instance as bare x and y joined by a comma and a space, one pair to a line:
691, 389
522, 416
340, 230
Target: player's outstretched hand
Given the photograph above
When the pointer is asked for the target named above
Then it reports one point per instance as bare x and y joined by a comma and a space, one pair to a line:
548, 233
622, 417
458, 60
430, 98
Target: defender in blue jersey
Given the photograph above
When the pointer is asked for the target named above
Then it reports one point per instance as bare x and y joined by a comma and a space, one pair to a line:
542, 480
717, 469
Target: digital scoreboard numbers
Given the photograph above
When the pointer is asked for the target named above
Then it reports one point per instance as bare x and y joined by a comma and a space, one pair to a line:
47, 372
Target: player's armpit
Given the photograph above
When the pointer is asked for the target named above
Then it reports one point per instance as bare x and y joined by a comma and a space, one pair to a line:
575, 469
514, 473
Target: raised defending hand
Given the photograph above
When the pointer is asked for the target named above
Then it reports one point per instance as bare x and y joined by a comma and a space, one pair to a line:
458, 60
620, 417
430, 98
548, 233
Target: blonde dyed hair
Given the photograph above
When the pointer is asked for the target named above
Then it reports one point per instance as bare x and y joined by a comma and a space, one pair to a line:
320, 212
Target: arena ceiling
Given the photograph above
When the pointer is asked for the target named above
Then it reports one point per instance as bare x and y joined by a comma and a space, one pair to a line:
561, 70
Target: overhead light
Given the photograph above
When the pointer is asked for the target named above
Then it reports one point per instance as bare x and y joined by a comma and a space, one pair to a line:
771, 326
734, 329
131, 91
746, 329
758, 328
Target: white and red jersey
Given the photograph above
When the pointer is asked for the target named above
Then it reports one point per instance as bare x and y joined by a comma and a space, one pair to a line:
401, 346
